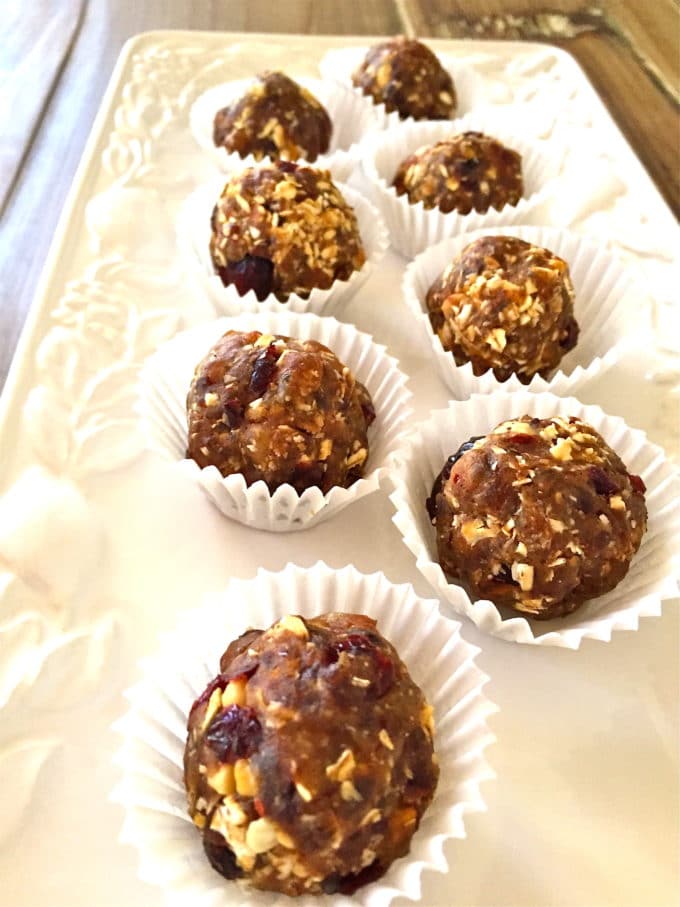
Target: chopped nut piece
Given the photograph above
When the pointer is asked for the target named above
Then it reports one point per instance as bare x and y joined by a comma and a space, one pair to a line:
222, 780
234, 693
214, 705
261, 835
385, 739
246, 785
294, 625
475, 530
349, 792
562, 449
343, 768
524, 575
304, 792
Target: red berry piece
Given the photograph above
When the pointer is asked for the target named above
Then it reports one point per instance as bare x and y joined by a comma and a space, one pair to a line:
362, 644
264, 370
602, 483
637, 483
442, 478
250, 273
235, 733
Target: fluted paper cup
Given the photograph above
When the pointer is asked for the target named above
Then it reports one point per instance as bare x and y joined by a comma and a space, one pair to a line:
608, 299
165, 381
193, 234
413, 227
654, 571
154, 729
341, 62
350, 117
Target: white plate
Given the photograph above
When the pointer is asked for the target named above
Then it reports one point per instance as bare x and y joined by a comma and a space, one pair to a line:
102, 546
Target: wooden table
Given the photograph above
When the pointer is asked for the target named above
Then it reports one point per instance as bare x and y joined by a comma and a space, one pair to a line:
57, 56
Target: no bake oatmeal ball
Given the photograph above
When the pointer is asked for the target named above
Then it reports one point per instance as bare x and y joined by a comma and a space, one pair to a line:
469, 171
280, 410
275, 118
406, 76
540, 516
281, 228
309, 760
505, 305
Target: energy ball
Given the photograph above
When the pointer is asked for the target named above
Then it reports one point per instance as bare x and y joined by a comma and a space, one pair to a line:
505, 305
406, 76
275, 118
540, 516
309, 760
467, 172
280, 228
280, 410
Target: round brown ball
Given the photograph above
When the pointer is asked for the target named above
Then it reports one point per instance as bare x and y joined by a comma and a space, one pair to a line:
281, 228
539, 516
507, 305
279, 410
467, 172
406, 76
275, 118
309, 760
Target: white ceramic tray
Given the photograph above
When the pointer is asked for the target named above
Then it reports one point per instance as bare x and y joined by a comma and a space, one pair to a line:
102, 545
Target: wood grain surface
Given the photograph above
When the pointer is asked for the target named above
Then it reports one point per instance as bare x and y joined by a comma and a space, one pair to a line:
628, 48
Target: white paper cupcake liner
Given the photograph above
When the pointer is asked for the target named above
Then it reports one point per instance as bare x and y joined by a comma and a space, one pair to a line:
413, 228
165, 381
608, 299
340, 63
350, 117
154, 729
654, 571
193, 234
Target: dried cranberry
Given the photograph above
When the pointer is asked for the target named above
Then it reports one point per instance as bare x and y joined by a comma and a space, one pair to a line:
220, 855
369, 413
233, 412
568, 342
602, 482
250, 273
383, 666
637, 483
235, 733
442, 478
288, 166
264, 369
